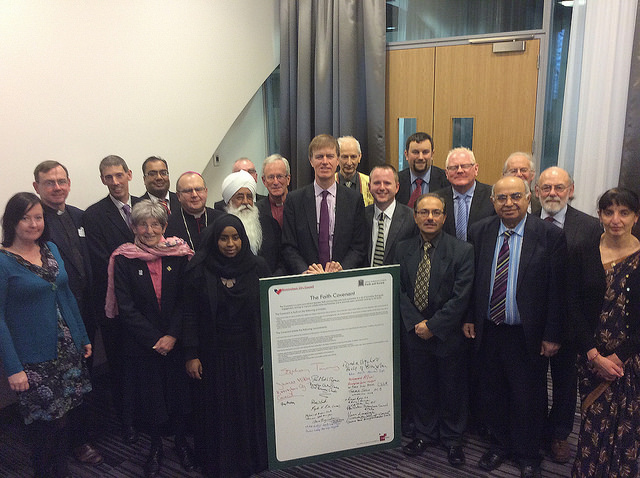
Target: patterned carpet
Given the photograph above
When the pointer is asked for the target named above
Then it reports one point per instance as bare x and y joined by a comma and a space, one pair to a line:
123, 461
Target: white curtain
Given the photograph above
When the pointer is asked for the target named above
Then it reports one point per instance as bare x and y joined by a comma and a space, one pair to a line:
595, 100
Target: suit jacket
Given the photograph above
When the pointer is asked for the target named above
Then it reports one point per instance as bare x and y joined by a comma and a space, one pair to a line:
586, 280
402, 227
270, 248
536, 207
264, 208
78, 269
105, 230
450, 289
540, 289
145, 321
300, 230
176, 226
174, 204
481, 206
438, 181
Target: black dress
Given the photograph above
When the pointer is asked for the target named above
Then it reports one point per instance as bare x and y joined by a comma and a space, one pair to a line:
222, 329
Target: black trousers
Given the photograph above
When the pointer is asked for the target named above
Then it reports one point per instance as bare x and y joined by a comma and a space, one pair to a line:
513, 391
560, 418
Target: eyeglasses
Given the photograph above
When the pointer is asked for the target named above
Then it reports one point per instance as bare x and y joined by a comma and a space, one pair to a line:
514, 171
154, 226
436, 213
465, 167
279, 177
51, 183
560, 188
502, 198
192, 190
153, 173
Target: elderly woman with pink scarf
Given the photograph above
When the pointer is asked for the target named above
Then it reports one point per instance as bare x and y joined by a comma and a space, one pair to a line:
145, 292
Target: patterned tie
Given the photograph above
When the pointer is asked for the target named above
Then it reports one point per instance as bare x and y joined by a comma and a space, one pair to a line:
378, 254
421, 290
498, 303
461, 217
417, 192
127, 214
324, 254
166, 206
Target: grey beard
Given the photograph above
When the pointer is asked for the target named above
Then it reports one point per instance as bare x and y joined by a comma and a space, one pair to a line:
251, 222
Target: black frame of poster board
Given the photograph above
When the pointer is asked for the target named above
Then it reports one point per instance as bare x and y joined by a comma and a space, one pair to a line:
281, 282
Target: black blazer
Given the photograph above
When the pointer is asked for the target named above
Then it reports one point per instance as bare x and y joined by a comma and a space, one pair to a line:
585, 275
105, 230
402, 227
540, 289
176, 226
145, 321
270, 249
80, 273
174, 204
450, 289
481, 207
438, 181
300, 230
264, 207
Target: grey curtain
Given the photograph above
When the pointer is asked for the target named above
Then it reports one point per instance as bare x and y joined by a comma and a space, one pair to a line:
332, 78
630, 164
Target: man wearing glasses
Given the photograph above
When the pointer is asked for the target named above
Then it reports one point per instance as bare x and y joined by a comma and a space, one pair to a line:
521, 165
436, 278
155, 174
467, 200
516, 316
555, 190
193, 216
276, 176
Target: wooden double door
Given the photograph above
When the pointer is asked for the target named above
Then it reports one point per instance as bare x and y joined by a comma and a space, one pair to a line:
439, 86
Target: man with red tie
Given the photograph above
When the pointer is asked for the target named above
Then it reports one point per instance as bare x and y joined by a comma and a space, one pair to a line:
155, 173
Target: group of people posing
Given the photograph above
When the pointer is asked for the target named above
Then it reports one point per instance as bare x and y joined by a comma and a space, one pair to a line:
497, 285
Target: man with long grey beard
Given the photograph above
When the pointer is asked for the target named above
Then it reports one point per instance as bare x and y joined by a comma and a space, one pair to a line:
239, 194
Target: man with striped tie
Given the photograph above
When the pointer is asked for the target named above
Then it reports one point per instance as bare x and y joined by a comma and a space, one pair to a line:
436, 278
516, 313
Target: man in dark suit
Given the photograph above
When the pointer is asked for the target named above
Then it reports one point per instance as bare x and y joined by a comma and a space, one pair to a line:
521, 165
107, 226
467, 200
436, 278
64, 222
324, 228
418, 152
555, 189
193, 216
398, 222
155, 173
241, 164
516, 313
276, 176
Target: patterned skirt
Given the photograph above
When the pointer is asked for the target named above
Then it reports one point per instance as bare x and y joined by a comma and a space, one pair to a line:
55, 386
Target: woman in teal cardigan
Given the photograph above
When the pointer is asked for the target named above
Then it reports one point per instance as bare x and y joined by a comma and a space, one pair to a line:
43, 342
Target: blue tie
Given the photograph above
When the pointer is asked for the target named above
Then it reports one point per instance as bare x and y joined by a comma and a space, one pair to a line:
461, 217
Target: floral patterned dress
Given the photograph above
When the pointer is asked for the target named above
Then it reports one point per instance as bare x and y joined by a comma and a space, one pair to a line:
609, 437
55, 386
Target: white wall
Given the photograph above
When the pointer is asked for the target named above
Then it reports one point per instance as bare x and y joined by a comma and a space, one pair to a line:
81, 80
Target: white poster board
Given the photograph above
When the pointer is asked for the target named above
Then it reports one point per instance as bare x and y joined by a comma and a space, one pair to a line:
331, 368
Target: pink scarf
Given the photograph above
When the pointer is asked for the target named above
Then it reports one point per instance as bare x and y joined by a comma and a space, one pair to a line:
171, 246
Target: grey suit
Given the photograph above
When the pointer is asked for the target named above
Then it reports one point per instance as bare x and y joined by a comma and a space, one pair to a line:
438, 365
402, 227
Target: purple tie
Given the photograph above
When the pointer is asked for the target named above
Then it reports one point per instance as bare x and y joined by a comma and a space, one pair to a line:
498, 303
127, 213
323, 231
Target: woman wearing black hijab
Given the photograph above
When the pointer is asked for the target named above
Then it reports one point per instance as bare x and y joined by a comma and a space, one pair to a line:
223, 344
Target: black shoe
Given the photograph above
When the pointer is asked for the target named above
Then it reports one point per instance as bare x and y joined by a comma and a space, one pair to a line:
455, 455
186, 457
492, 459
129, 435
152, 466
416, 447
530, 471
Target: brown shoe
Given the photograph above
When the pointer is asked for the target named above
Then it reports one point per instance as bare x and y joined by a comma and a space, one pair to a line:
560, 452
88, 455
